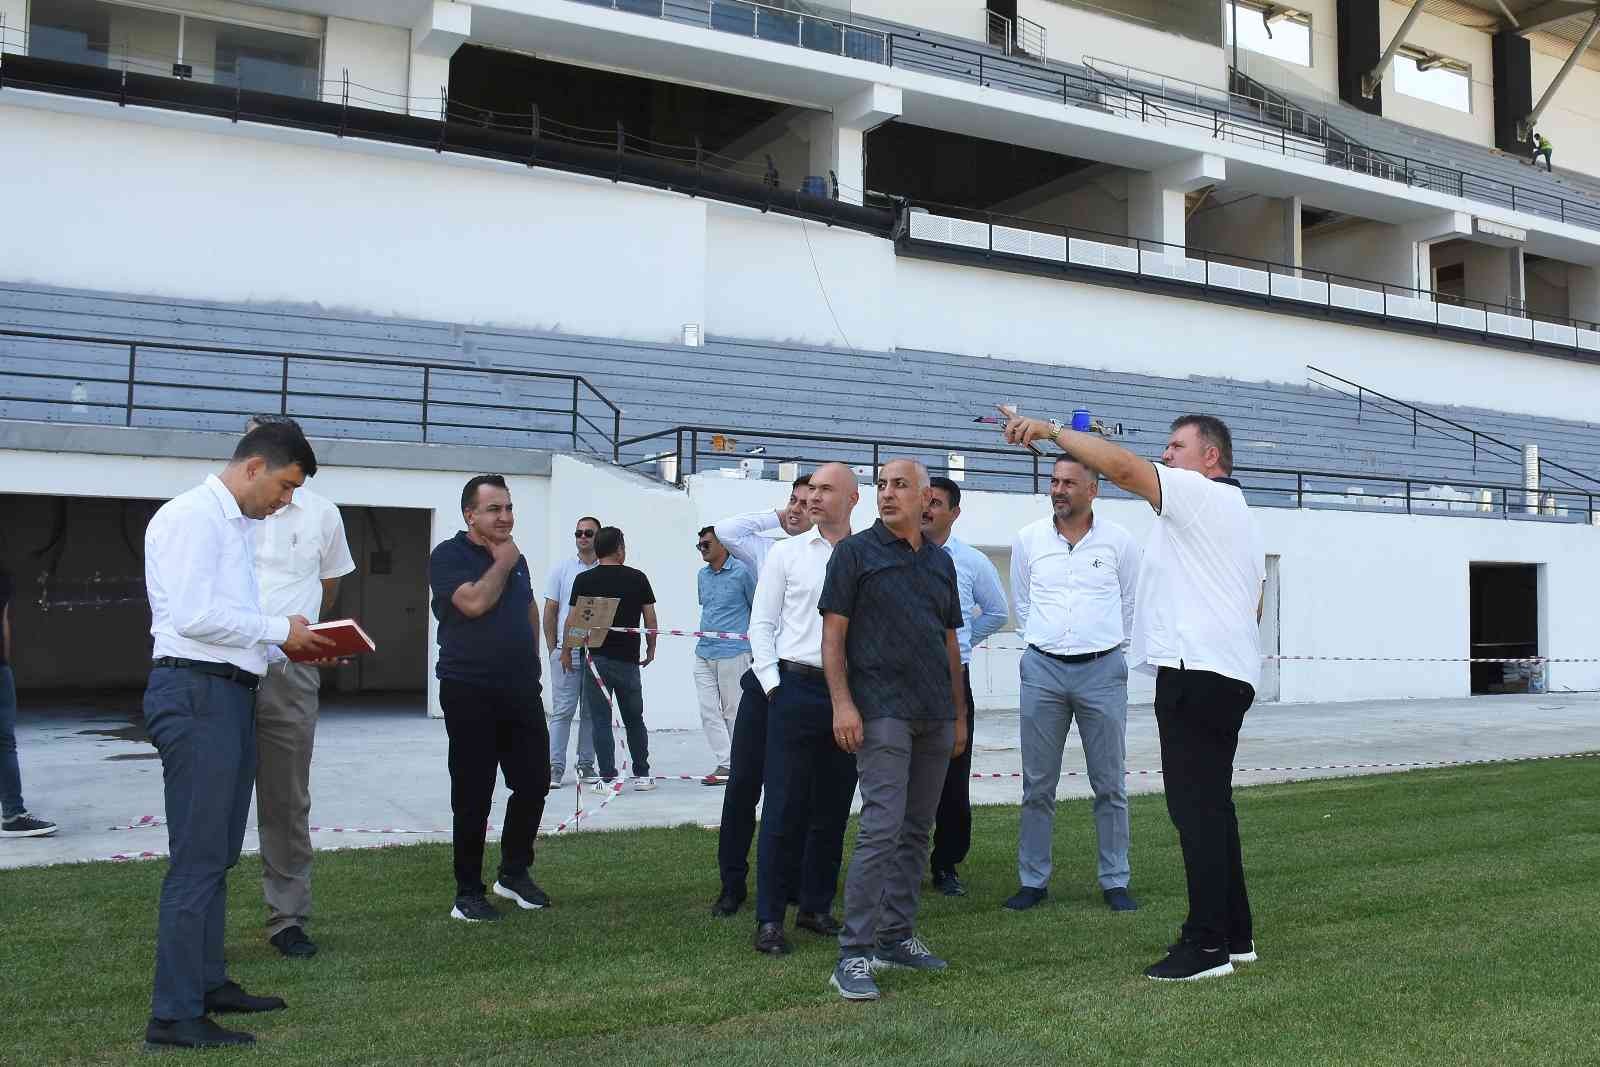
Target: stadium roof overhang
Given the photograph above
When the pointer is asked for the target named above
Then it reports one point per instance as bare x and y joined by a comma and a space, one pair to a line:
1556, 25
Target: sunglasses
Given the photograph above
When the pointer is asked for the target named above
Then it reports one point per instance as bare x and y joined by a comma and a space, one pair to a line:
583, 533
702, 545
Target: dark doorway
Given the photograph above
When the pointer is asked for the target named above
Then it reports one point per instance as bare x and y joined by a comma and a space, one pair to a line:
1504, 625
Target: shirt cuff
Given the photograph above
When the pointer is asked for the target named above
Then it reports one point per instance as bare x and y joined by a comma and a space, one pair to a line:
768, 677
277, 630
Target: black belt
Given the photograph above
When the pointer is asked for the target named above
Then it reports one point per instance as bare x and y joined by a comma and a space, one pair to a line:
1081, 657
805, 669
203, 666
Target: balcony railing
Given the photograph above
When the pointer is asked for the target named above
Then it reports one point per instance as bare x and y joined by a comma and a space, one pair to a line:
104, 381
1027, 241
675, 454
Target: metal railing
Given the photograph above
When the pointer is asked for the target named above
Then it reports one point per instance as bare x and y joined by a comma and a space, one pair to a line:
1422, 418
764, 22
992, 236
680, 452
113, 382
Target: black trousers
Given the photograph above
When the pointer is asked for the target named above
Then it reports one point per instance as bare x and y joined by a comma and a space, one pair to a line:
952, 828
1199, 714
743, 790
810, 781
489, 727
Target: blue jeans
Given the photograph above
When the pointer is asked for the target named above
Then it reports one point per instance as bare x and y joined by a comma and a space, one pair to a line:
622, 678
204, 727
10, 775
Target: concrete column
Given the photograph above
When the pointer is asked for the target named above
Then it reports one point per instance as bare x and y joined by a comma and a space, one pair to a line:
434, 39
14, 24
1423, 235
1516, 278
1291, 250
838, 140
1583, 293
1156, 207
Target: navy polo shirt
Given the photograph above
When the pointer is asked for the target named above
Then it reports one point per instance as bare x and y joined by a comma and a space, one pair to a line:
497, 648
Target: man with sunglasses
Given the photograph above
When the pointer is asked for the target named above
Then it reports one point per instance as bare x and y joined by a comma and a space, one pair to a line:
727, 588
566, 677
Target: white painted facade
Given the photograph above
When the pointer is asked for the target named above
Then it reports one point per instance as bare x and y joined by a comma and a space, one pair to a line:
1074, 33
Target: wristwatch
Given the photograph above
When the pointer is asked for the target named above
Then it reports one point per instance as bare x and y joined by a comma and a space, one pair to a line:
1055, 431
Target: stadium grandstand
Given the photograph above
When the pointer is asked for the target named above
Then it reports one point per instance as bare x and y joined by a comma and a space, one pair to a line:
653, 257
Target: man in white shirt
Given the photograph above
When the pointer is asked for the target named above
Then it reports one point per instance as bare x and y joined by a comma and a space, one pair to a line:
1200, 593
809, 780
566, 679
301, 553
1073, 575
212, 644
747, 539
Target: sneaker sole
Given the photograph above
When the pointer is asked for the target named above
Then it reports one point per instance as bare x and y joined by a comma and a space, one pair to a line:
1221, 971
457, 913
42, 832
511, 894
890, 965
1243, 957
833, 980
644, 788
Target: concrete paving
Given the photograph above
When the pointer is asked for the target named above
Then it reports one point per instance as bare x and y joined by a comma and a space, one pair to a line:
380, 764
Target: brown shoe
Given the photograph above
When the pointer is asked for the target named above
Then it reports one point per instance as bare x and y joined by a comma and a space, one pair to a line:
818, 923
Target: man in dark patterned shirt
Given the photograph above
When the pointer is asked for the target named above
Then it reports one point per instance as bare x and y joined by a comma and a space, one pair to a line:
890, 609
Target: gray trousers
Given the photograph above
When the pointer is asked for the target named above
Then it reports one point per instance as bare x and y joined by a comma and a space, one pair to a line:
1053, 693
901, 767
286, 727
204, 728
565, 686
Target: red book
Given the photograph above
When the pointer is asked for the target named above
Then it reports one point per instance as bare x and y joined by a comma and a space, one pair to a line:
349, 639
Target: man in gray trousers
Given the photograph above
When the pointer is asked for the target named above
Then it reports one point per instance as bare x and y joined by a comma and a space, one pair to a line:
1073, 578
890, 611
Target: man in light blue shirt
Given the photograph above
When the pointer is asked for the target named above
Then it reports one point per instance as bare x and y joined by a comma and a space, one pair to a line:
727, 588
983, 606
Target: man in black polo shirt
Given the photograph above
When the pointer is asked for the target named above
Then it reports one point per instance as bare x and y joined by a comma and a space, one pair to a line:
891, 609
617, 659
489, 688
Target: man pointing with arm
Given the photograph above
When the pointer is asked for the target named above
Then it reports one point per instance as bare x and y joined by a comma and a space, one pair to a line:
1198, 606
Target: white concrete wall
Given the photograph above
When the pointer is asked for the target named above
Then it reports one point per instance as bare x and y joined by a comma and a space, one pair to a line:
1256, 227
377, 58
962, 18
1458, 42
345, 230
1073, 33
14, 17
1572, 121
1368, 250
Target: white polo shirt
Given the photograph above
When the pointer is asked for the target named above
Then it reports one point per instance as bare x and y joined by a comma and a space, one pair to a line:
298, 546
1201, 581
1073, 599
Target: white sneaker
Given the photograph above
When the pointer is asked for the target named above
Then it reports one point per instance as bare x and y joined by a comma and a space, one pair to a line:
643, 785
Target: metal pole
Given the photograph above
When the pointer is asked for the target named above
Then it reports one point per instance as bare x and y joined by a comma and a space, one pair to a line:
574, 414
425, 383
283, 388
1374, 77
1525, 127
131, 350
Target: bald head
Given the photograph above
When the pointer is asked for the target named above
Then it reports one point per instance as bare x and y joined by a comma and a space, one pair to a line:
833, 495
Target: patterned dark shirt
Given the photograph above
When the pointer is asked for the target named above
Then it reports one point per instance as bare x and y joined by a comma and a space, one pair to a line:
901, 605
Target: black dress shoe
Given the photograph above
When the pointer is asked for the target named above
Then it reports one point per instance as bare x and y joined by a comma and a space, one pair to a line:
818, 922
770, 939
293, 943
1119, 899
728, 903
1025, 898
947, 883
192, 1033
228, 997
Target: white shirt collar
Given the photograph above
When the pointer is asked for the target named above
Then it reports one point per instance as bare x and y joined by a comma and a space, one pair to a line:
230, 506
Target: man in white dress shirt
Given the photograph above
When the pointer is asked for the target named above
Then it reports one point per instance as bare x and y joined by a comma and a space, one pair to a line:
1073, 577
1200, 598
809, 779
566, 677
212, 644
301, 553
746, 539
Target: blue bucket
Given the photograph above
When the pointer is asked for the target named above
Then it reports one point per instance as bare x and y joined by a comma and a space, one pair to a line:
1080, 419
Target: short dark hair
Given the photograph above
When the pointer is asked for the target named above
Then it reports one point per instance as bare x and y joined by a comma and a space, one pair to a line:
270, 418
469, 493
1213, 431
608, 542
590, 518
707, 530
280, 444
952, 491
1073, 459
804, 479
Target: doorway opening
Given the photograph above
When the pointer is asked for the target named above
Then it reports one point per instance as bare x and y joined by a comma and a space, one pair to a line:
1504, 624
